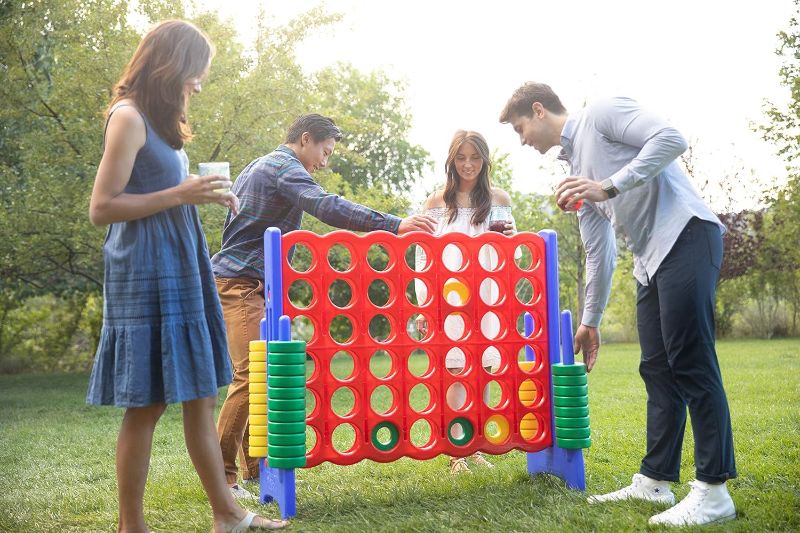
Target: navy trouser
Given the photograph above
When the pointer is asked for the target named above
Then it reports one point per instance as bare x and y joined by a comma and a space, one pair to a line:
679, 366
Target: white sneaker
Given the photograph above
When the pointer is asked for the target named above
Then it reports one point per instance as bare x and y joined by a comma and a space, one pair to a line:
705, 504
242, 494
641, 488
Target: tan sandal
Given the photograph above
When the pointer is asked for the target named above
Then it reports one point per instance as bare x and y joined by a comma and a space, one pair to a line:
480, 460
458, 465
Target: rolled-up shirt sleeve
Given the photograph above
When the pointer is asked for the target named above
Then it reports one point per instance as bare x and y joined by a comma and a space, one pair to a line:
600, 244
298, 187
622, 120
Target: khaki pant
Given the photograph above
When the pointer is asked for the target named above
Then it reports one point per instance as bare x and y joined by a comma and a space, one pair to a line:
243, 306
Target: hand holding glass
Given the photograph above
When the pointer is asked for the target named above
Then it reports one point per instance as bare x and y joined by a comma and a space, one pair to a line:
217, 168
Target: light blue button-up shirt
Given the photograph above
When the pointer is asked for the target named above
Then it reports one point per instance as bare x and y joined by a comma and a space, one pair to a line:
617, 139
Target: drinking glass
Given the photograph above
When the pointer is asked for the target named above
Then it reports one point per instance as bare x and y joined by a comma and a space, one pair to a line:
216, 168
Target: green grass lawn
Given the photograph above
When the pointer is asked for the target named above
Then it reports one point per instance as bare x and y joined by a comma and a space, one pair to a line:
57, 463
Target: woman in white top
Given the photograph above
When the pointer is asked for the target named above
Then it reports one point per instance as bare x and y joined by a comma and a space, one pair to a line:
467, 204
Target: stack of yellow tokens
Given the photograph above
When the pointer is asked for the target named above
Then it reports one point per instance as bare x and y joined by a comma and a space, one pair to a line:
258, 399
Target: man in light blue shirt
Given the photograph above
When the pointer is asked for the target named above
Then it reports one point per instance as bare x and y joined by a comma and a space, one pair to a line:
624, 170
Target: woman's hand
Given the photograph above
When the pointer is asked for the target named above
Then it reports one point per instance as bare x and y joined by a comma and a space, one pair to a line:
196, 190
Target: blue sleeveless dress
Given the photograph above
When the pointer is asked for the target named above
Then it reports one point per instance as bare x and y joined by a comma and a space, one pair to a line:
163, 338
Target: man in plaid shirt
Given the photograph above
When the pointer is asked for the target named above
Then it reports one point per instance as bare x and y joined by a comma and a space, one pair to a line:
275, 190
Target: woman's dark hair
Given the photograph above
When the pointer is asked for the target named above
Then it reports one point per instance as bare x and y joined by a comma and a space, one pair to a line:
481, 196
320, 128
170, 55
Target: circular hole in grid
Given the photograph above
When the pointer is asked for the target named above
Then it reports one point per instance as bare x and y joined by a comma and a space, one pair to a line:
421, 434
492, 359
342, 365
344, 438
378, 257
419, 398
380, 328
523, 257
455, 292
418, 292
418, 257
340, 258
528, 357
384, 436
419, 327
340, 293
455, 326
527, 392
383, 400
341, 329
454, 258
526, 332
529, 426
302, 328
311, 439
311, 366
381, 364
490, 258
458, 397
418, 362
311, 403
343, 401
490, 326
523, 290
456, 361
379, 292
489, 291
301, 293
300, 258
493, 395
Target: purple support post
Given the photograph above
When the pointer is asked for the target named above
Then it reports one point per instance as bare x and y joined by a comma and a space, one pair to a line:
276, 484
566, 464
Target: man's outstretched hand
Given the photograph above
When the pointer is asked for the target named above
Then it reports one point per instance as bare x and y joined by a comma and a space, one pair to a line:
424, 223
587, 340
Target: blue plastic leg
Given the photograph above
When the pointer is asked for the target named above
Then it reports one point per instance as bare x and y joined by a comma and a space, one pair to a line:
278, 484
566, 464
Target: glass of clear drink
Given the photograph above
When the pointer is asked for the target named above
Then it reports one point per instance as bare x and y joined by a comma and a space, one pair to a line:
216, 168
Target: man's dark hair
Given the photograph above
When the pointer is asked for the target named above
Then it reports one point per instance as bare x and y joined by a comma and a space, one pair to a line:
521, 102
320, 128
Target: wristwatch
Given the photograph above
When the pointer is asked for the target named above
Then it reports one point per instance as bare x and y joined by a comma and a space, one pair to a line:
608, 186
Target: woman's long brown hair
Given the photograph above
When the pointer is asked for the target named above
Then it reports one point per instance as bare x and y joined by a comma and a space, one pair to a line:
481, 196
171, 54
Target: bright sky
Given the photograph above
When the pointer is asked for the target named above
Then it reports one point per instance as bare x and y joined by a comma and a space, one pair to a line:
705, 65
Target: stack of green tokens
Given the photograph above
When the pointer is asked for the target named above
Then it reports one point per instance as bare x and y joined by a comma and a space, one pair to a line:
286, 404
571, 405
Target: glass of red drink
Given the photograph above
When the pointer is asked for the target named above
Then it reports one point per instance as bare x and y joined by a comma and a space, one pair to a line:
575, 207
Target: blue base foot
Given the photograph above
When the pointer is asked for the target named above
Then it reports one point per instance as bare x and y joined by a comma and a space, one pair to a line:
278, 484
566, 464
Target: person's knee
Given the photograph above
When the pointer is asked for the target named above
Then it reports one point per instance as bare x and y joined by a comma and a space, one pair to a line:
150, 413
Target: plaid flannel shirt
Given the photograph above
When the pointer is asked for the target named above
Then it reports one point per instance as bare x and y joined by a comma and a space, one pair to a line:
275, 190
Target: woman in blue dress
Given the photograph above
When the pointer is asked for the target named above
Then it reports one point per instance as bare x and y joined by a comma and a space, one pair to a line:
163, 337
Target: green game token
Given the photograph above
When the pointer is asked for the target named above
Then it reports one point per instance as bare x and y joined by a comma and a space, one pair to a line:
394, 436
573, 444
295, 439
572, 412
571, 401
287, 428
578, 369
286, 358
286, 381
577, 422
286, 347
286, 416
281, 462
567, 381
573, 433
466, 426
276, 404
286, 451
286, 370
286, 393
572, 390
